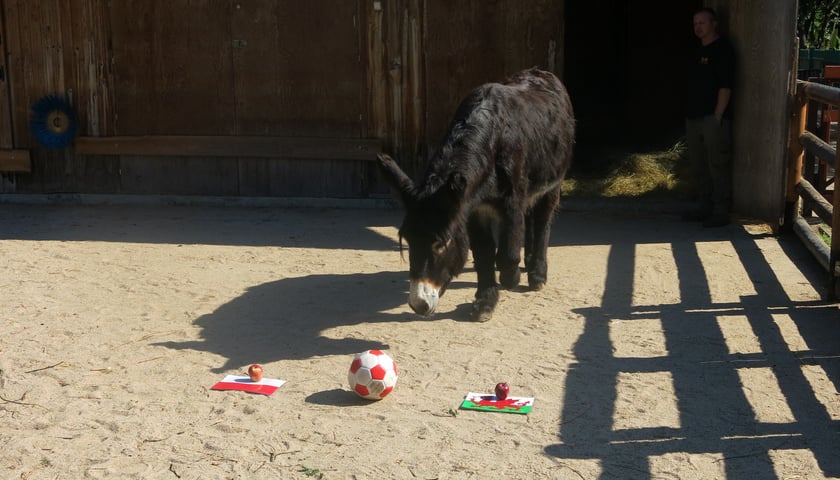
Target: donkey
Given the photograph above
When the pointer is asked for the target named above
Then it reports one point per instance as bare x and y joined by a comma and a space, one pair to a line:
491, 188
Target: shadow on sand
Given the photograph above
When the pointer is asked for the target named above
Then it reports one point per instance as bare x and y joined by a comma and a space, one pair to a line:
715, 415
285, 319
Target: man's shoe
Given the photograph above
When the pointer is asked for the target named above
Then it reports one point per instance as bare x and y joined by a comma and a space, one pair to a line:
715, 221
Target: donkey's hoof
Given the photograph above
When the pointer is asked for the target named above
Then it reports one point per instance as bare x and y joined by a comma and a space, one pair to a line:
510, 278
484, 304
480, 314
536, 282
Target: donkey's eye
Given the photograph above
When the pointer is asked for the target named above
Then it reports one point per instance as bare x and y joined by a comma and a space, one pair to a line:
439, 246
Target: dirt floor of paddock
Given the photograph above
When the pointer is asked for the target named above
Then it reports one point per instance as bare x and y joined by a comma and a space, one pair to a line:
658, 349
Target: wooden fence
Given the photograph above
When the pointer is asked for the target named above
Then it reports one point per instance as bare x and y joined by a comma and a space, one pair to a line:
804, 198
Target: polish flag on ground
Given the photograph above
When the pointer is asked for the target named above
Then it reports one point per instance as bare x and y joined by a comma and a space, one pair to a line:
266, 386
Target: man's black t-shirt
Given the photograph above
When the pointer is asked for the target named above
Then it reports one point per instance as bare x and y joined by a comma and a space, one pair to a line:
712, 68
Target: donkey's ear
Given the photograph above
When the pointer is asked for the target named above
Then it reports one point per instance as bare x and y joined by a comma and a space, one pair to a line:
457, 182
396, 178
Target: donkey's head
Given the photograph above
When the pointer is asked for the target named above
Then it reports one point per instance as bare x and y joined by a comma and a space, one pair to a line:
435, 232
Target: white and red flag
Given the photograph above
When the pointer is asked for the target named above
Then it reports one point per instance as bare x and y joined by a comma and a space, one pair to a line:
266, 386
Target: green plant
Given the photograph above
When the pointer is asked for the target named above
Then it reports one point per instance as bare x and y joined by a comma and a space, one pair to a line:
824, 231
818, 23
312, 472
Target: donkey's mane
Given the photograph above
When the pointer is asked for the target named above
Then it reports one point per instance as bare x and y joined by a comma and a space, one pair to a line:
466, 150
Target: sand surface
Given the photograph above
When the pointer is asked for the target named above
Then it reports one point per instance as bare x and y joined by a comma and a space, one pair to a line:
658, 350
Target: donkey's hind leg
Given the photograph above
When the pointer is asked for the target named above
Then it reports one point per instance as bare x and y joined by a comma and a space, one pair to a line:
537, 230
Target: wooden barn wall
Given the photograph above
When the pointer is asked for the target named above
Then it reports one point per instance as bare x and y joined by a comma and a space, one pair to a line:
237, 69
396, 76
213, 67
471, 42
250, 68
55, 46
764, 35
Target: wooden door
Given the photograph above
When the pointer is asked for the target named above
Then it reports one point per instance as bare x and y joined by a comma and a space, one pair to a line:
172, 68
252, 69
255, 67
296, 68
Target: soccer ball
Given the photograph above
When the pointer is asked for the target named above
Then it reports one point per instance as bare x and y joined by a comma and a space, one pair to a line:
372, 375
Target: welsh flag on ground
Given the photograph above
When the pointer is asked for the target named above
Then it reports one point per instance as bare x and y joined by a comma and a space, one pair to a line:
487, 402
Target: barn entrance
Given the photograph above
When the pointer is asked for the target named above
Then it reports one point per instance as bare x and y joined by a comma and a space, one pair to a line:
624, 69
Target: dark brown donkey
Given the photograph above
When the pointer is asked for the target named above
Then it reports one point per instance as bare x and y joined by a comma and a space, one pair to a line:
492, 188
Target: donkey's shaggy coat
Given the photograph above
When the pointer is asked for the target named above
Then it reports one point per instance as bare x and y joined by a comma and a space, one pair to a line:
492, 187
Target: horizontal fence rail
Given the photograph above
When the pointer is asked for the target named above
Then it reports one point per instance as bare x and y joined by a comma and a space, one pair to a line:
802, 197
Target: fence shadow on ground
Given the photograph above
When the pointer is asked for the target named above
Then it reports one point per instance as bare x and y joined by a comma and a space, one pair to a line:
715, 417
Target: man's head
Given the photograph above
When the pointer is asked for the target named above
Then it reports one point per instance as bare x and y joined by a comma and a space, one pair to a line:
705, 25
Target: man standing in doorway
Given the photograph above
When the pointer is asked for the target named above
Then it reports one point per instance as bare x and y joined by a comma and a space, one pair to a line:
709, 120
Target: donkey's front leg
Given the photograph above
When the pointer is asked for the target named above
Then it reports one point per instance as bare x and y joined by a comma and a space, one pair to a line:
511, 236
483, 248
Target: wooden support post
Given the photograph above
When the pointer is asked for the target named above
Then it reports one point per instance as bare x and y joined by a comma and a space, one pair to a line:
834, 255
795, 155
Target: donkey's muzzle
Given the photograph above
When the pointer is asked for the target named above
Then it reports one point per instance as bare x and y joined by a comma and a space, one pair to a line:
423, 297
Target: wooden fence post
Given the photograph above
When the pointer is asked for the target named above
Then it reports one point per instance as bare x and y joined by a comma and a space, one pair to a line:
795, 155
834, 256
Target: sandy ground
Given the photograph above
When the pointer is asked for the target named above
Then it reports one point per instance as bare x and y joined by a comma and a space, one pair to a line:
658, 350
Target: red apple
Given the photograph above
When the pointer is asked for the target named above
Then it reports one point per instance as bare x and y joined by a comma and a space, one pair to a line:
502, 390
255, 371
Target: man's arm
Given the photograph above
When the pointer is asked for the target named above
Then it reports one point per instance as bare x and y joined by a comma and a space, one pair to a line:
723, 98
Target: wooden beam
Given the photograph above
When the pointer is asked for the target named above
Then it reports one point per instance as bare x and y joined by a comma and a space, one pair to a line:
822, 93
815, 201
15, 161
232, 146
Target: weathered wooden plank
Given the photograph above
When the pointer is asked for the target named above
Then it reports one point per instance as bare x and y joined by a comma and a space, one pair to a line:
6, 137
375, 109
34, 46
144, 175
468, 43
303, 178
15, 161
172, 68
87, 58
297, 68
231, 146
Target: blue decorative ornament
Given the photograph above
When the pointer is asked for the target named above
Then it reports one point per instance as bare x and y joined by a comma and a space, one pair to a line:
53, 122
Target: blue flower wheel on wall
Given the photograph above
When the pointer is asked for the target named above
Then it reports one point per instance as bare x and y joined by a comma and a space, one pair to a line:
53, 122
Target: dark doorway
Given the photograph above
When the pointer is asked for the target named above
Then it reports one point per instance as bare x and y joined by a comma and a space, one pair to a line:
624, 69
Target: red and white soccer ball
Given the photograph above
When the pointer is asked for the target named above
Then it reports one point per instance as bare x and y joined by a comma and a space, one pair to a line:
373, 374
